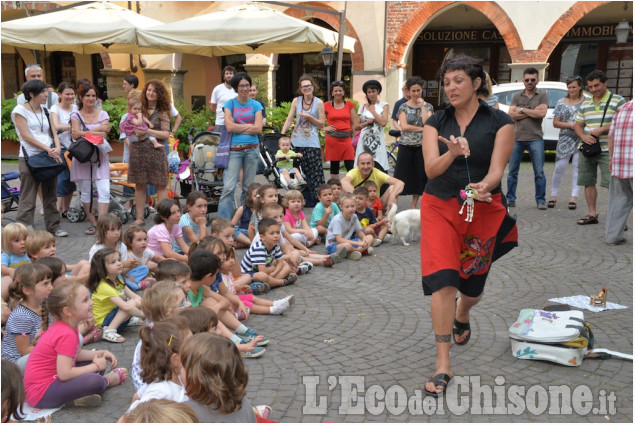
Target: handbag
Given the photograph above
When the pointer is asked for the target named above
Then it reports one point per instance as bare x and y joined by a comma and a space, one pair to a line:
356, 140
42, 167
222, 154
83, 148
595, 149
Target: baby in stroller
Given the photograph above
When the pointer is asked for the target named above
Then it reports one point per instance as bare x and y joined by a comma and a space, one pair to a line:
285, 156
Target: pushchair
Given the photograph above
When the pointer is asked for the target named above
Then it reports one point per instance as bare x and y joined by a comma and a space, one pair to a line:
205, 177
10, 195
268, 147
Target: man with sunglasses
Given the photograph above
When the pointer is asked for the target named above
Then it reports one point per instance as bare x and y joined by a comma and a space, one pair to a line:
527, 109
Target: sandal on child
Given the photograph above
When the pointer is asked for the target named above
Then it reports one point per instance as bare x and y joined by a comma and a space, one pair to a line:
136, 321
111, 335
94, 332
290, 280
122, 373
258, 288
91, 230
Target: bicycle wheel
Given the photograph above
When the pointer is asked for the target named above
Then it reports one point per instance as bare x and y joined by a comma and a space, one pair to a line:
392, 163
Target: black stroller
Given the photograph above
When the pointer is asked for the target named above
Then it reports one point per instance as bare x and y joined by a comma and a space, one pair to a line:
268, 148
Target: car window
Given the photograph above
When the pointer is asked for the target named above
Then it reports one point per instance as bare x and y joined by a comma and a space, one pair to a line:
506, 97
554, 96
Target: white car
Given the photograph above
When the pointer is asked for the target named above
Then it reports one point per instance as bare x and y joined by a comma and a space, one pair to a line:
556, 90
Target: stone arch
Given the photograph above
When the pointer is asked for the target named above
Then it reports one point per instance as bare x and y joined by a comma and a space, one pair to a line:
357, 57
566, 21
398, 48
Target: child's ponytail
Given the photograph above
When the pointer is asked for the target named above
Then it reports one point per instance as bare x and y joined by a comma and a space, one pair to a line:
159, 341
62, 296
27, 276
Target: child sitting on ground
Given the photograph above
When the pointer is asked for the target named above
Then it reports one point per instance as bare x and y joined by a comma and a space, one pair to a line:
200, 319
336, 187
111, 310
285, 163
243, 214
373, 200
136, 240
372, 227
324, 210
223, 230
193, 223
267, 193
166, 231
12, 392
135, 120
297, 225
161, 412
41, 244
346, 232
14, 255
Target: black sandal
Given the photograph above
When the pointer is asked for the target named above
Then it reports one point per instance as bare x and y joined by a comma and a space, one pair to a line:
589, 219
440, 380
458, 329
551, 203
572, 205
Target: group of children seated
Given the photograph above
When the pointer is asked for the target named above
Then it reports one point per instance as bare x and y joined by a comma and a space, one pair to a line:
195, 296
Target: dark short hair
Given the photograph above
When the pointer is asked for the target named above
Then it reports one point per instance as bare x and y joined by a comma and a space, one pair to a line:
238, 78
531, 71
471, 66
332, 182
265, 223
82, 89
132, 79
63, 86
228, 68
371, 84
594, 75
33, 87
203, 262
321, 188
360, 190
414, 81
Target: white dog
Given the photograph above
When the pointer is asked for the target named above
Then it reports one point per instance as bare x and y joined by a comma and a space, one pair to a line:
405, 224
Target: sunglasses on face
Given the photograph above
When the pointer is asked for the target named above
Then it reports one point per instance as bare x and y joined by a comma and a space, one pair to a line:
533, 80
306, 87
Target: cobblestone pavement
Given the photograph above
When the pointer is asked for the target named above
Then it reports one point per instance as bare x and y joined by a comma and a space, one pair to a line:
368, 319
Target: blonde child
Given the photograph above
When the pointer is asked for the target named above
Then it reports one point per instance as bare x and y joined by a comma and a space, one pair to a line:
58, 371
267, 193
161, 343
166, 231
12, 392
115, 305
336, 187
162, 300
136, 240
193, 223
136, 121
325, 210
254, 304
205, 266
31, 285
160, 411
297, 225
285, 163
243, 214
372, 227
346, 232
13, 256
41, 244
200, 319
222, 229
208, 359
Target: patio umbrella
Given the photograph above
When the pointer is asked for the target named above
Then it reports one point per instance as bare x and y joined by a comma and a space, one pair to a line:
98, 27
248, 28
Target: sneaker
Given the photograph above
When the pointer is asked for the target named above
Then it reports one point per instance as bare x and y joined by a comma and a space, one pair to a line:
542, 205
339, 255
388, 237
253, 354
368, 251
263, 411
511, 204
60, 233
290, 280
354, 255
93, 400
252, 334
304, 268
290, 299
376, 242
279, 307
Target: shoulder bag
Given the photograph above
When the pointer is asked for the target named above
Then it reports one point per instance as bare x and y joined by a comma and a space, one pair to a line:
222, 154
596, 148
41, 166
83, 148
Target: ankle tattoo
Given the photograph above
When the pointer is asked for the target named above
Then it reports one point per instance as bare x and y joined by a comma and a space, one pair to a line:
442, 338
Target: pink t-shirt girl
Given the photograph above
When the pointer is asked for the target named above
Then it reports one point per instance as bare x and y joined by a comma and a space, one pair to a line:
294, 222
159, 233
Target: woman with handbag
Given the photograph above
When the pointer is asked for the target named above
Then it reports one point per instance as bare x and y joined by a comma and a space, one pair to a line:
34, 131
149, 166
243, 121
89, 119
373, 117
61, 121
341, 118
309, 112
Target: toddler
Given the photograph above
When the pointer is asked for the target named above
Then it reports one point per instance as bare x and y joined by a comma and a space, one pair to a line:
346, 232
58, 371
243, 214
336, 187
324, 210
267, 193
285, 163
297, 225
193, 223
136, 121
166, 231
372, 227
114, 303
41, 244
136, 240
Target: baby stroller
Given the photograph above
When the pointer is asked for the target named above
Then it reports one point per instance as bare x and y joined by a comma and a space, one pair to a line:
205, 177
268, 148
10, 195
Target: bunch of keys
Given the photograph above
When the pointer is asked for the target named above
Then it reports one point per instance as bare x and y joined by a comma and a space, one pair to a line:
468, 195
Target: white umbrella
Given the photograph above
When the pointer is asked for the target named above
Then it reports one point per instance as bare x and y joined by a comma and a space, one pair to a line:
248, 28
92, 28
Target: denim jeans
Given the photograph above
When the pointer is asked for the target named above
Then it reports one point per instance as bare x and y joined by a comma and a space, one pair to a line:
536, 150
248, 159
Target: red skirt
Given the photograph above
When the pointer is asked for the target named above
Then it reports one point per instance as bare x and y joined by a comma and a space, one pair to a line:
457, 253
338, 149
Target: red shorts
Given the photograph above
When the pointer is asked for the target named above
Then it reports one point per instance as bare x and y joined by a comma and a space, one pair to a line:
457, 253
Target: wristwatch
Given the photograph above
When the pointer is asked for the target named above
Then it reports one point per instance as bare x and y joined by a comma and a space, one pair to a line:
521, 110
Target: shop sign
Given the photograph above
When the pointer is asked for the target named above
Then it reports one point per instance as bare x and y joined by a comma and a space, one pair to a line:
586, 31
460, 35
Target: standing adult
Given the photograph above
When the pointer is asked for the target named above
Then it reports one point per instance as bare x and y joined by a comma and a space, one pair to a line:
592, 125
395, 109
467, 144
410, 167
149, 165
243, 120
620, 144
35, 136
61, 121
221, 94
528, 108
309, 113
130, 82
89, 119
373, 117
35, 72
340, 117
567, 147
253, 93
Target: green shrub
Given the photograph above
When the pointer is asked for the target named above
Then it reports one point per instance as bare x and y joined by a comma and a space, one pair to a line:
116, 108
199, 120
8, 130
